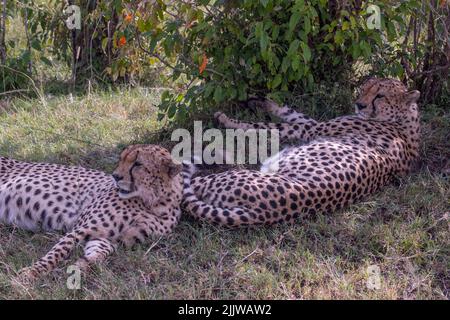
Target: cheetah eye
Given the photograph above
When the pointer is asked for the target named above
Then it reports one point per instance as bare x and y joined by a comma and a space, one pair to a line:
379, 96
137, 164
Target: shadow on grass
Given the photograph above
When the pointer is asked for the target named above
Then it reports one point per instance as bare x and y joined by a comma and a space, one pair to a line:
401, 229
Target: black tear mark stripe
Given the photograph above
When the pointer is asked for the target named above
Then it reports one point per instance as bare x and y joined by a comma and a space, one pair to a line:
378, 96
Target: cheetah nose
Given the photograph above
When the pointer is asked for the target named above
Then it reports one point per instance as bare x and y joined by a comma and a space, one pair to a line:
117, 177
360, 106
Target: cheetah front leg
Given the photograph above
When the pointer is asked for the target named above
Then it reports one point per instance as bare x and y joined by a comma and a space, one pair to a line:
146, 226
284, 113
95, 251
47, 263
287, 131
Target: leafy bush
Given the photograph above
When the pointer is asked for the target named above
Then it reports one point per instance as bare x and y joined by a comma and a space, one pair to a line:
212, 51
14, 73
227, 50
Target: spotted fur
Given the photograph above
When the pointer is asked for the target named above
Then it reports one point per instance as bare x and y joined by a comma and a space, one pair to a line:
336, 162
91, 207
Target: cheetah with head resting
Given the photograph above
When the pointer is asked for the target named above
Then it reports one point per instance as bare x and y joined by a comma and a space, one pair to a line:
140, 199
340, 161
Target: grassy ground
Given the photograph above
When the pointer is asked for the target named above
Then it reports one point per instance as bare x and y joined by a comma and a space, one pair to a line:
404, 230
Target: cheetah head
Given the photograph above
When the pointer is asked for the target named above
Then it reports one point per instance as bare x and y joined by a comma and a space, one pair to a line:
145, 171
385, 100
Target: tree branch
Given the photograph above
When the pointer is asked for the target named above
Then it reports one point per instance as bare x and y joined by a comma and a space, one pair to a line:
155, 55
167, 64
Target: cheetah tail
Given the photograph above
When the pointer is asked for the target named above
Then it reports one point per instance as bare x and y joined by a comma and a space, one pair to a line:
230, 217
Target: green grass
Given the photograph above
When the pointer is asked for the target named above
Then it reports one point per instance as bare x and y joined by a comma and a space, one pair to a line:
404, 229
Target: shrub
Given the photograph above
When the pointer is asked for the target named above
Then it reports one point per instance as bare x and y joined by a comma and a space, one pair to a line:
228, 50
215, 50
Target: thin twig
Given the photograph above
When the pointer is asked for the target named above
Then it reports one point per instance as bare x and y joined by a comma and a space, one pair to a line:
27, 34
156, 55
248, 256
167, 64
38, 92
152, 246
14, 91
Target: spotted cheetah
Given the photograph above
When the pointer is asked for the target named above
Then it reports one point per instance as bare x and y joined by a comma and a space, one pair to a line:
336, 163
141, 198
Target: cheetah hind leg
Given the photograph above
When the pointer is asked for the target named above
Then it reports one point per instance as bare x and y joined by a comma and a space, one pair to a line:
285, 113
95, 251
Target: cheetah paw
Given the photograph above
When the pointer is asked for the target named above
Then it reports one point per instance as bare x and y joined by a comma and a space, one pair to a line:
27, 276
262, 103
131, 238
221, 117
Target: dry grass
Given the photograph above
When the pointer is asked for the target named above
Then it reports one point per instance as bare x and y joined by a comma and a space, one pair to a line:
404, 229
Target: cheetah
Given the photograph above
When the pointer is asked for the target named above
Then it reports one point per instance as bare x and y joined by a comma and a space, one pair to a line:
141, 198
334, 163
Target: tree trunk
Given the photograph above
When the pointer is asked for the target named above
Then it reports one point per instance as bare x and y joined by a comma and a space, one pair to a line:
87, 54
3, 33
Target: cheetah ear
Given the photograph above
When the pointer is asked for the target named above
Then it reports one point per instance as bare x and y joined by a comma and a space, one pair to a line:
173, 168
133, 155
368, 84
411, 96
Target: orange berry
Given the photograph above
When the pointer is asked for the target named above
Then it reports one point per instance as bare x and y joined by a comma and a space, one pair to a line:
128, 17
122, 41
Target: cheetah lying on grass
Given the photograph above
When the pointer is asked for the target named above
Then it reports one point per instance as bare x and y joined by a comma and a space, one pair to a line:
93, 208
341, 161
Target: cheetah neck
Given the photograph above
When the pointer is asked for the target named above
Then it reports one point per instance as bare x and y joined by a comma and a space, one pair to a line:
164, 205
409, 125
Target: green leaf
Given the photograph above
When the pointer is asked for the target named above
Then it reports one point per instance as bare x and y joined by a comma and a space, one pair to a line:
46, 61
165, 95
276, 81
293, 47
104, 44
339, 37
258, 29
26, 56
232, 93
35, 44
295, 63
356, 51
172, 110
353, 22
306, 51
263, 42
293, 21
307, 25
345, 25
264, 2
285, 64
365, 48
209, 87
391, 31
299, 5
218, 94
242, 92
275, 32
